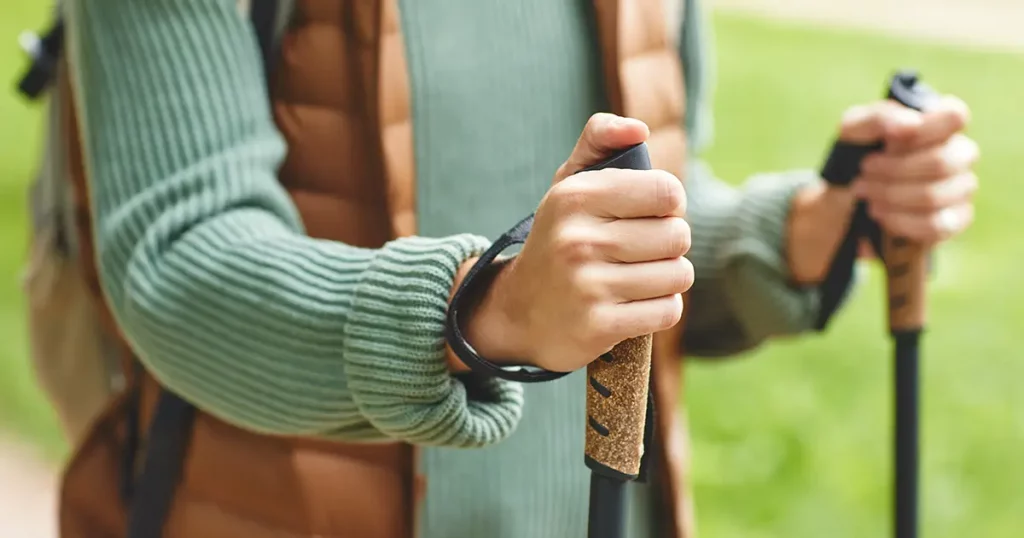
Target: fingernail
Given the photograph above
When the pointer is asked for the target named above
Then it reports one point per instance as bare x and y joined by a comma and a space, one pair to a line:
618, 121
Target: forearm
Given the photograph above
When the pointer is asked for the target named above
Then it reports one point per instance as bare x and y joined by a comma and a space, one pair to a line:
817, 224
203, 258
744, 292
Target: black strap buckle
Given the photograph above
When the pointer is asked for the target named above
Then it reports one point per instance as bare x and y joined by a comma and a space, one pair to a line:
44, 52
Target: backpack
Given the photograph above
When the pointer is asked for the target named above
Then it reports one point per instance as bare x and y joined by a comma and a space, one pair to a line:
76, 363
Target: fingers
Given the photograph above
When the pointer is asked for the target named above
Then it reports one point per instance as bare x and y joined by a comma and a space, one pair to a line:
622, 194
603, 135
641, 240
939, 123
954, 157
637, 318
902, 128
641, 281
923, 196
926, 227
866, 124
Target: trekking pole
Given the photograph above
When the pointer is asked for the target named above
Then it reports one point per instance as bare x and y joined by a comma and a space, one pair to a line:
906, 265
619, 406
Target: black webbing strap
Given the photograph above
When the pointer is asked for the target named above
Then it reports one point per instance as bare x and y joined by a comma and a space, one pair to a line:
842, 166
130, 448
479, 277
167, 443
263, 15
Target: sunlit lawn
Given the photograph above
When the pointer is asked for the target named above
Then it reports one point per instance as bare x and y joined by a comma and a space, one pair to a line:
794, 440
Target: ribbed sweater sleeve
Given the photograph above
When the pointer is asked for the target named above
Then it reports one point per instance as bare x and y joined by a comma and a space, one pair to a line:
744, 294
203, 258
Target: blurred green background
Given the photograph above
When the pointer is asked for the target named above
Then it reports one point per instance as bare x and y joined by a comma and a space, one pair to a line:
22, 408
792, 440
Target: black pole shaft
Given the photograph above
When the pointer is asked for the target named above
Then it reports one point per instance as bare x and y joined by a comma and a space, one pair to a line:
905, 494
607, 517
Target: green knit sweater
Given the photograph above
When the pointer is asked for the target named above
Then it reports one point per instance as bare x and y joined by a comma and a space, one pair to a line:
205, 264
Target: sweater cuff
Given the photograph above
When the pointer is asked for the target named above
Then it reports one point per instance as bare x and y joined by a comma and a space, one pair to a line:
394, 353
758, 282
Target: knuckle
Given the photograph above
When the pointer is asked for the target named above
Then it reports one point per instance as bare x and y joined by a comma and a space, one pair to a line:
671, 314
958, 121
594, 125
587, 285
568, 195
668, 191
961, 111
595, 120
573, 244
599, 326
682, 276
679, 238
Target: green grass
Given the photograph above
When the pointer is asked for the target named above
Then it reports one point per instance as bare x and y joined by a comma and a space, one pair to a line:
795, 440
792, 440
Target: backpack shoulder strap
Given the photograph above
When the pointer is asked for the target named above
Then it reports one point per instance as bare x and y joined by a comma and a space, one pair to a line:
264, 16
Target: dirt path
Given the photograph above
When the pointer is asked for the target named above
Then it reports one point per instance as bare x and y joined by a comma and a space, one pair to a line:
28, 489
994, 24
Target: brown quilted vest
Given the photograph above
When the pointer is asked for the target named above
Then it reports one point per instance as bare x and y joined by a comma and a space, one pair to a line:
340, 96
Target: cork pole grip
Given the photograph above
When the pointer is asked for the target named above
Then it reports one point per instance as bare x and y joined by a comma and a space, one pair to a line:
906, 266
617, 385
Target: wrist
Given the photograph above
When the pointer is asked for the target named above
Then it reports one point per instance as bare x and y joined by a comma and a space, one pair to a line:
487, 325
818, 220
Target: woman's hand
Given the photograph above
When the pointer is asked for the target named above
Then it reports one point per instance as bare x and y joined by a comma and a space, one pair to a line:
921, 186
603, 263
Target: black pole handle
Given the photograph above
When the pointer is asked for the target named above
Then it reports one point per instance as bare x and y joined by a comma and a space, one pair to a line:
618, 408
618, 382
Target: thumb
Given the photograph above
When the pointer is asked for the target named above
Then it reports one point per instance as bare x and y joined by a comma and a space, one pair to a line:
877, 121
603, 135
